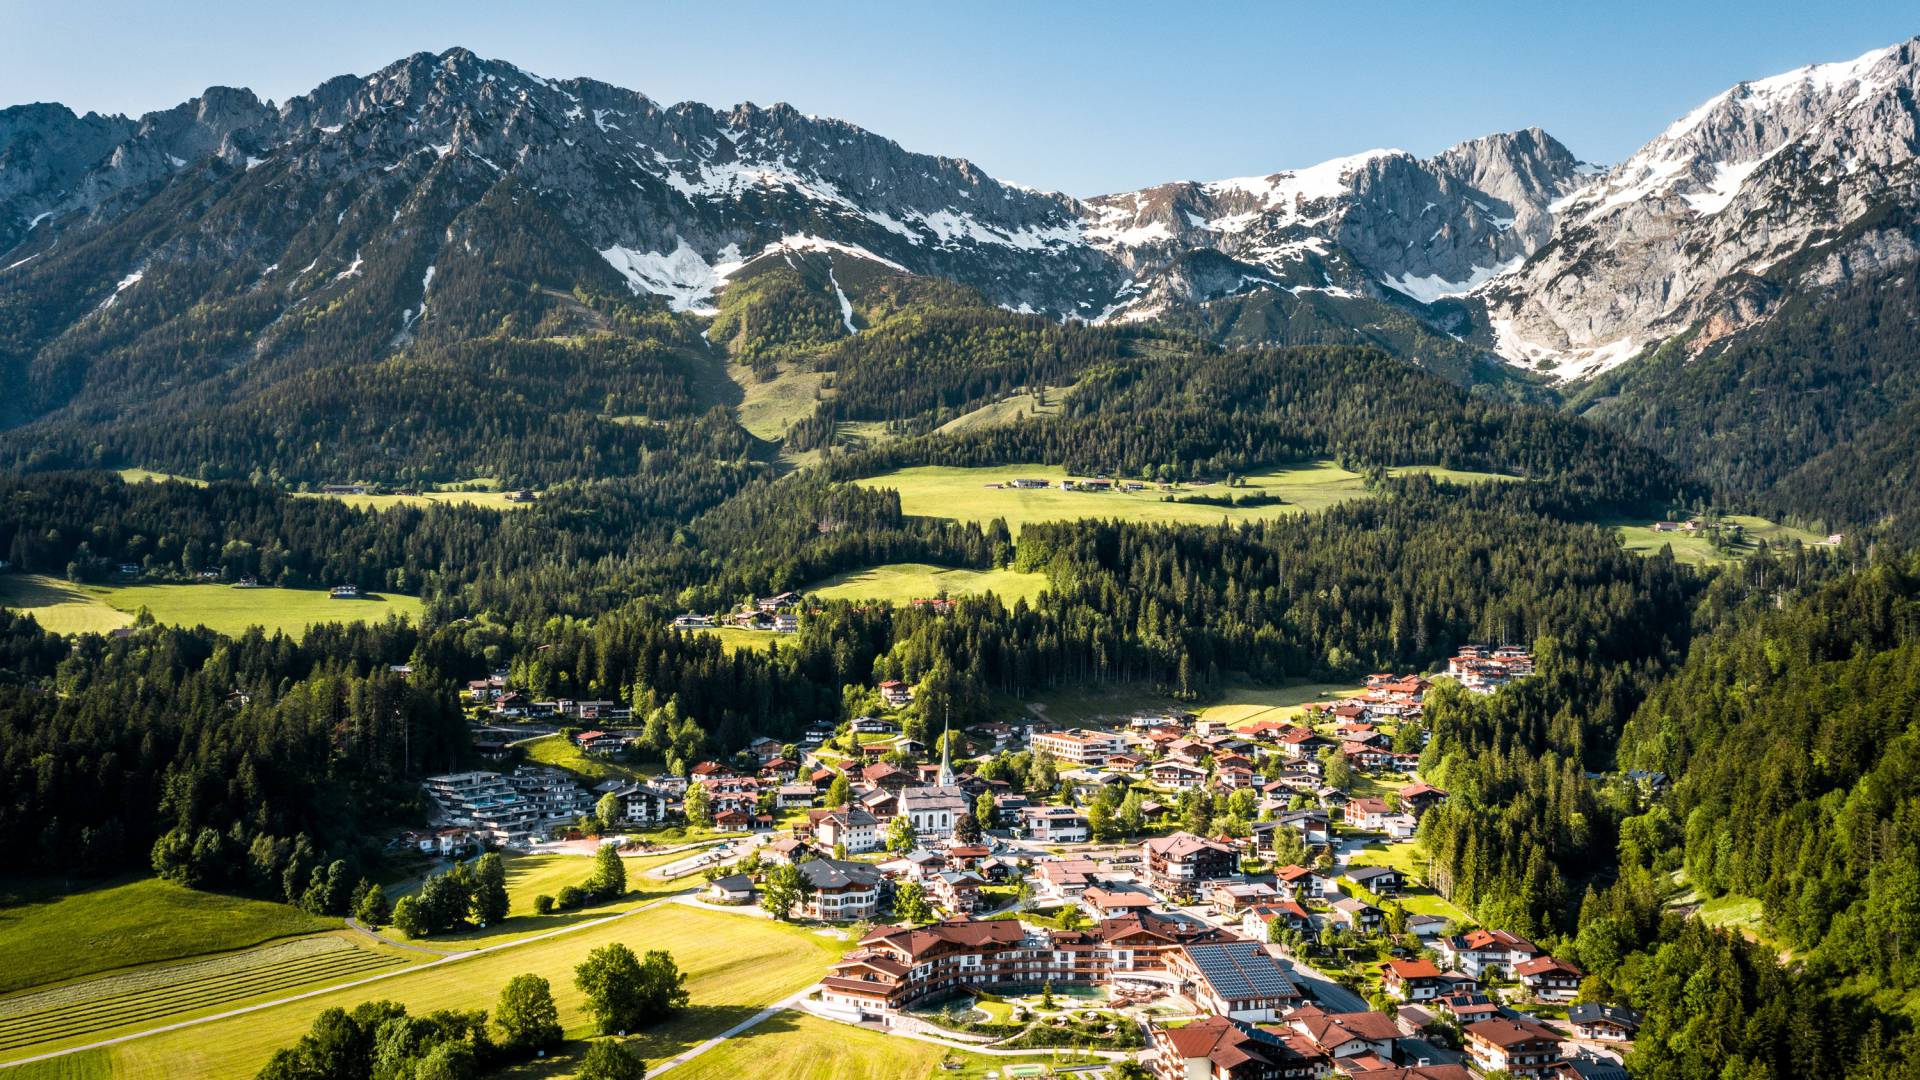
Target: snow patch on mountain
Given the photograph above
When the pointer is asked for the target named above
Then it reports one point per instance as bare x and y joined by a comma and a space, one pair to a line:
846, 305
124, 284
1299, 187
1721, 189
1433, 287
681, 275
689, 282
803, 242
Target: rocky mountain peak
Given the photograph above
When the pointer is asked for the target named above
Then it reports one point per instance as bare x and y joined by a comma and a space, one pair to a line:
1683, 231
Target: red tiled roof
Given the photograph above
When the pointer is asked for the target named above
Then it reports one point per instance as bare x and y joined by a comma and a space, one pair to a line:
1546, 965
1412, 969
1504, 1032
1333, 1029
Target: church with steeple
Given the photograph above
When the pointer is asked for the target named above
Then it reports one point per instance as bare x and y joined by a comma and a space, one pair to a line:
937, 808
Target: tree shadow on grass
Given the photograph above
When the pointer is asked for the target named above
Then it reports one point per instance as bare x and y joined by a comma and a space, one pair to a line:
686, 1029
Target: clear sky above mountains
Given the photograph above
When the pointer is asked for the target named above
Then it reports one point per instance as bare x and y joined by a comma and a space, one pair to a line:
1085, 98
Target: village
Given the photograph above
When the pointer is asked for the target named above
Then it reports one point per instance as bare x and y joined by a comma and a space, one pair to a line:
1293, 935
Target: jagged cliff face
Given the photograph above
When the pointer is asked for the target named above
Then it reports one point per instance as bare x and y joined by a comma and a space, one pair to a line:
1356, 226
1795, 182
673, 197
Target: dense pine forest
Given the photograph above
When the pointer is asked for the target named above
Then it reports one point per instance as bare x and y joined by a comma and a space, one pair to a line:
1813, 412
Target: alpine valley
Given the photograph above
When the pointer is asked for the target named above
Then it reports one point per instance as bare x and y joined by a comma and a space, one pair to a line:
1398, 618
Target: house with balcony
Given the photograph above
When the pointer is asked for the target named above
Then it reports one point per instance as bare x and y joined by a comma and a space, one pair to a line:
1179, 864
1516, 1047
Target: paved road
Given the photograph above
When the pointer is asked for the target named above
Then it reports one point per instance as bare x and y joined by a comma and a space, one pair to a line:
1329, 994
243, 1011
701, 1048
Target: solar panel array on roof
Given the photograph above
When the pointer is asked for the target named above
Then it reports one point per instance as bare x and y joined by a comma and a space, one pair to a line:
1240, 970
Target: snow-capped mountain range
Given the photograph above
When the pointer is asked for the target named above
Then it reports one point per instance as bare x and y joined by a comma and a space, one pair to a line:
1706, 224
1507, 240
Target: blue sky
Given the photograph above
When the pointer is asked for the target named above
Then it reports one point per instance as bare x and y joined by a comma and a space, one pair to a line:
1085, 98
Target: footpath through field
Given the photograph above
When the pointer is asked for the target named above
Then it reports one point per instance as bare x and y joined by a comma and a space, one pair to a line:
757, 1018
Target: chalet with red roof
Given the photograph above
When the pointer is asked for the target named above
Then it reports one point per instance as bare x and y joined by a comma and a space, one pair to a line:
1482, 951
1346, 1035
1417, 799
1412, 980
1221, 1048
1517, 1047
1548, 979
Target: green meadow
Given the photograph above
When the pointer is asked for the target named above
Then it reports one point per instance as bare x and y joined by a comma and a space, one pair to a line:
965, 494
66, 608
1697, 549
143, 922
900, 583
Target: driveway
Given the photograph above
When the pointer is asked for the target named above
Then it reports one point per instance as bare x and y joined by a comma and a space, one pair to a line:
1318, 985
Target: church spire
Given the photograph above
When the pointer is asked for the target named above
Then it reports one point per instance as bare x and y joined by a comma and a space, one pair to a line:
946, 751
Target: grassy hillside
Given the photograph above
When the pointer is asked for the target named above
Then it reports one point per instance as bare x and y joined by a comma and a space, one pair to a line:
1697, 549
562, 753
769, 406
1011, 409
961, 494
65, 608
899, 583
139, 923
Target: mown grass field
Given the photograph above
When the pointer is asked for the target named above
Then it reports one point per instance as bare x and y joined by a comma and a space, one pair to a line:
148, 476
485, 497
961, 494
76, 1011
733, 638
1010, 410
1418, 899
77, 609
59, 606
795, 1046
89, 1065
736, 965
1244, 704
1696, 549
899, 583
143, 922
